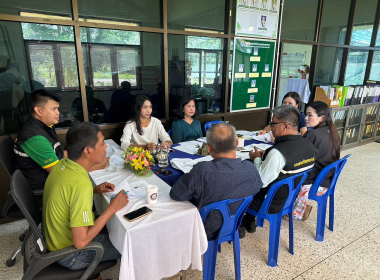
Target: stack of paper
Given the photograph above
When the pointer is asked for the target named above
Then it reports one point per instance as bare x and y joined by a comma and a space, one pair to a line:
189, 147
246, 134
186, 164
266, 138
260, 147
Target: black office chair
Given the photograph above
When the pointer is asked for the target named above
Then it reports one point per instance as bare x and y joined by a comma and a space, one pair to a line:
39, 263
10, 208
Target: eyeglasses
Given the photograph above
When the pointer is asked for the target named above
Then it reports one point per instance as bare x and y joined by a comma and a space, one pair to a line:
273, 123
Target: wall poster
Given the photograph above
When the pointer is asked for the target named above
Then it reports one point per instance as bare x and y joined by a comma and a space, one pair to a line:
252, 71
257, 18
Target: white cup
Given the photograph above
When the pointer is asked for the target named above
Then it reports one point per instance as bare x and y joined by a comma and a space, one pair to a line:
151, 194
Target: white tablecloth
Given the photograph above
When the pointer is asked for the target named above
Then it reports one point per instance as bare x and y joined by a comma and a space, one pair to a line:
301, 86
160, 244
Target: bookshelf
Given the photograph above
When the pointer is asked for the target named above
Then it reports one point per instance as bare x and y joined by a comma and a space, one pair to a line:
357, 124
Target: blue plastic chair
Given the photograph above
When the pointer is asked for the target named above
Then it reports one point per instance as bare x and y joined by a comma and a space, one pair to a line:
209, 124
170, 133
228, 232
322, 200
275, 219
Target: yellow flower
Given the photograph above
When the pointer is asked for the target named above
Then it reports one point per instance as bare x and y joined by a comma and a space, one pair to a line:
148, 155
135, 149
137, 163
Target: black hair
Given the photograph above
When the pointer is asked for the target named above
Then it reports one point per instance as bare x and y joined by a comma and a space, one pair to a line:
295, 96
80, 136
139, 102
40, 97
322, 109
184, 101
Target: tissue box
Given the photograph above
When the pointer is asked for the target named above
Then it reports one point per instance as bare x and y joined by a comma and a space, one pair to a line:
241, 141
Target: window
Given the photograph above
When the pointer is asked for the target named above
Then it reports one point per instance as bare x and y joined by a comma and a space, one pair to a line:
145, 13
363, 22
60, 9
375, 70
356, 65
198, 14
203, 59
32, 57
111, 65
196, 69
328, 65
299, 18
119, 65
334, 27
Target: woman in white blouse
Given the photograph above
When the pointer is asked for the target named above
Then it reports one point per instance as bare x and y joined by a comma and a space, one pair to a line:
142, 130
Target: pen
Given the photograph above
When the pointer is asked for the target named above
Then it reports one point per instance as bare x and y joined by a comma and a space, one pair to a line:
115, 195
244, 151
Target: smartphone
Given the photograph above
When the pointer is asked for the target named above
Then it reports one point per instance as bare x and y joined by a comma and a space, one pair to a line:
164, 172
137, 214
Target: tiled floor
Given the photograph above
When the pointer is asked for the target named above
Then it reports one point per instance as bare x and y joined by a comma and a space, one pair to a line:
352, 251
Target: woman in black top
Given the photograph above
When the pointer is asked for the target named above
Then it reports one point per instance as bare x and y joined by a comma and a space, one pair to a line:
325, 138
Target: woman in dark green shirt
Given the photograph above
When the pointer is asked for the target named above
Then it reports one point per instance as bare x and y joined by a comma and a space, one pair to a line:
186, 128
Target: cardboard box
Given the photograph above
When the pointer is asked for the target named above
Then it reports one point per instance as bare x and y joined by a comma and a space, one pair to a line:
320, 95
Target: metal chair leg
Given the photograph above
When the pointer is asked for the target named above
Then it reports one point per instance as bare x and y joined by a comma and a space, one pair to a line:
11, 261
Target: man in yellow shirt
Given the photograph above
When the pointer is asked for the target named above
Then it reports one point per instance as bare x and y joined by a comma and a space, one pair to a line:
68, 196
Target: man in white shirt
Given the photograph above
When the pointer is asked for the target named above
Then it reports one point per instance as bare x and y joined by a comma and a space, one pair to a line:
291, 154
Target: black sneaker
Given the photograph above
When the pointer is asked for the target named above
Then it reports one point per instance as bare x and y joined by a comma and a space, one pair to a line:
241, 232
250, 226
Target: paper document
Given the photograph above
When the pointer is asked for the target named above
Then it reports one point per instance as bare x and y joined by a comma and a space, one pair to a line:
266, 138
186, 164
203, 139
123, 185
260, 147
189, 147
139, 187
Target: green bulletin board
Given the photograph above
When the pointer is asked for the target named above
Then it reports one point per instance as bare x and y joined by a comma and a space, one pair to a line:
252, 74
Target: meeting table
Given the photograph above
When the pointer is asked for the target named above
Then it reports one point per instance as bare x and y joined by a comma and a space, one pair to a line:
160, 244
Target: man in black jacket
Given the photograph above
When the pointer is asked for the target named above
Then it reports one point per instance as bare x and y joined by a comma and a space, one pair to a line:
291, 154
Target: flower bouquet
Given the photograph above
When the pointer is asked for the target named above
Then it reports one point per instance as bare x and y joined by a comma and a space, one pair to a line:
304, 69
140, 161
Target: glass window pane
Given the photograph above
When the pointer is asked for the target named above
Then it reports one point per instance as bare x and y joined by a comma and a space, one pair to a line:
375, 70
69, 66
299, 19
334, 21
42, 64
109, 36
328, 65
363, 22
293, 56
204, 43
31, 65
117, 72
61, 9
196, 14
128, 61
37, 31
196, 69
356, 65
101, 66
145, 13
